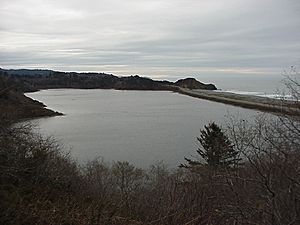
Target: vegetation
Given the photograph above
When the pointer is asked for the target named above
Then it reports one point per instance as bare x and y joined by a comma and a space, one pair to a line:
216, 150
39, 184
33, 80
15, 105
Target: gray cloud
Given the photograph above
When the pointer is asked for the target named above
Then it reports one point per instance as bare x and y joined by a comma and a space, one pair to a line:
156, 38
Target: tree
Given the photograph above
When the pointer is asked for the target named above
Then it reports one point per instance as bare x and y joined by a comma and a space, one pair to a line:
269, 184
215, 149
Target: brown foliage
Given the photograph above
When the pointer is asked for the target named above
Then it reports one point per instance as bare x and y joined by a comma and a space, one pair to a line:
41, 185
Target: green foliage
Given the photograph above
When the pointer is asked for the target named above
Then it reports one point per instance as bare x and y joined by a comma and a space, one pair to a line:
216, 150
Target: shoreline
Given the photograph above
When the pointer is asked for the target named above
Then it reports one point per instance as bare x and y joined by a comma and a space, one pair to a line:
264, 104
16, 106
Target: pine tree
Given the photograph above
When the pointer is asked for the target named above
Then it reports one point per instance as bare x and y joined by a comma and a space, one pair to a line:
215, 149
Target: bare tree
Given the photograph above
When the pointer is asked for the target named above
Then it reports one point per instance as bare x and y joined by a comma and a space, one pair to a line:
267, 189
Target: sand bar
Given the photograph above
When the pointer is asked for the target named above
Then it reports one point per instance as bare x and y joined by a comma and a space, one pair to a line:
246, 101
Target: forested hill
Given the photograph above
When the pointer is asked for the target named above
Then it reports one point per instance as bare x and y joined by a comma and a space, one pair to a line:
14, 105
13, 83
33, 80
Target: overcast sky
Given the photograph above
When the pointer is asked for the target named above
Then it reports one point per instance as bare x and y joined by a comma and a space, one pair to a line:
157, 38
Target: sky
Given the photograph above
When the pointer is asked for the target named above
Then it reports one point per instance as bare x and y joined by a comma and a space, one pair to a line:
156, 38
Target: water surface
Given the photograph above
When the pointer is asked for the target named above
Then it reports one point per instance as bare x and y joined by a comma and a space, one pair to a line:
141, 127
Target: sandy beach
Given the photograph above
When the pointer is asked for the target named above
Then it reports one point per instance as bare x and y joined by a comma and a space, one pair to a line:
246, 101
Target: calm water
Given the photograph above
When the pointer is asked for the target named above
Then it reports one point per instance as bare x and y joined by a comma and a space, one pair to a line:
141, 127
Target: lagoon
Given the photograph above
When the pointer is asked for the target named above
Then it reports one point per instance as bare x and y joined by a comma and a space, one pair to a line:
141, 127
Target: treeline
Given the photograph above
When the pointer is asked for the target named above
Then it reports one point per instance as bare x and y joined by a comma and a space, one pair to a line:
14, 105
32, 80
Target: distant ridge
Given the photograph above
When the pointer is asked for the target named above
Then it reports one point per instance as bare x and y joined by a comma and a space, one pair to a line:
28, 72
14, 82
32, 80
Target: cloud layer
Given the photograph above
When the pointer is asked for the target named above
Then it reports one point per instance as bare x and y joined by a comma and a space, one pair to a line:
163, 38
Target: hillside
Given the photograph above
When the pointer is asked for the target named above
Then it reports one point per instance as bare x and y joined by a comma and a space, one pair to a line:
192, 83
15, 105
32, 80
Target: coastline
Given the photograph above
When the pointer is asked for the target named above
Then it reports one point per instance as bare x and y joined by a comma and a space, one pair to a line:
264, 104
17, 107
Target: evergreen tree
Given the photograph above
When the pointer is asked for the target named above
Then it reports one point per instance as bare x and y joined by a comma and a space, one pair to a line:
215, 149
